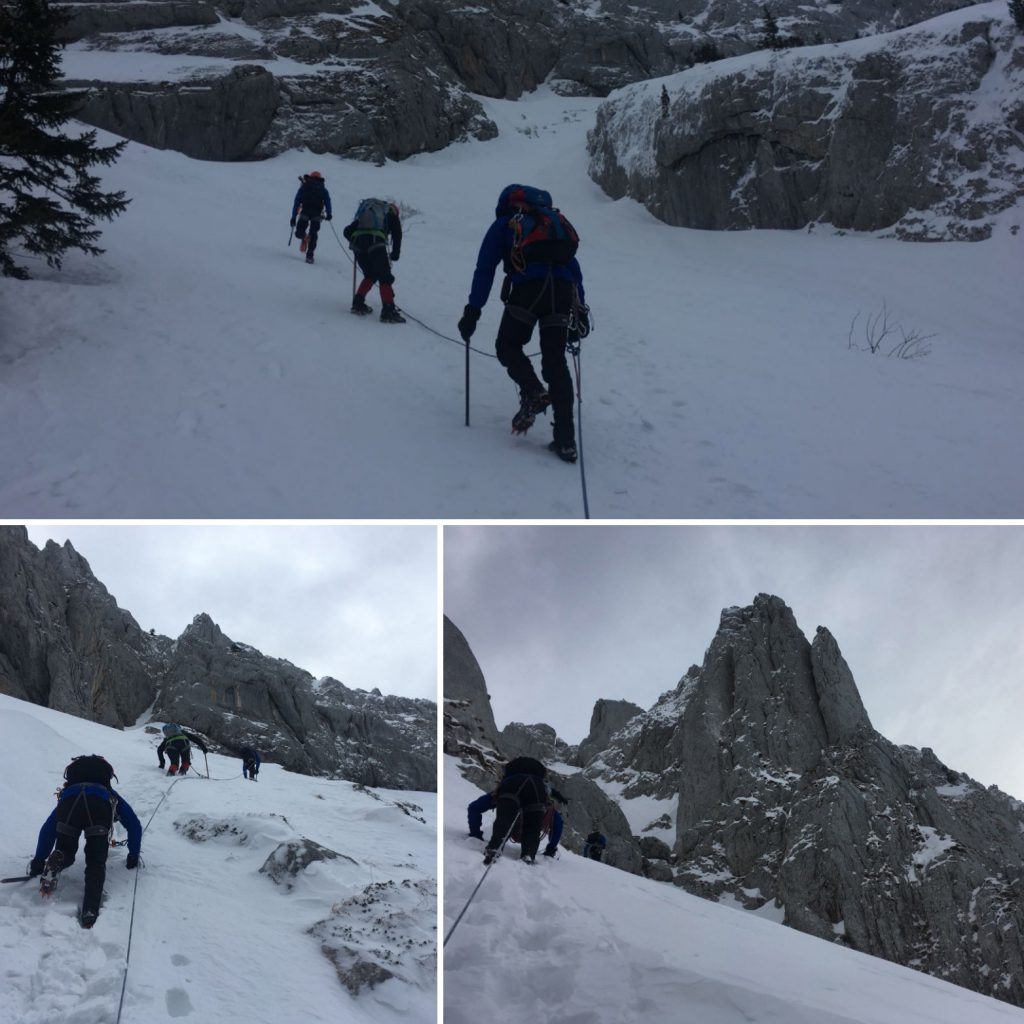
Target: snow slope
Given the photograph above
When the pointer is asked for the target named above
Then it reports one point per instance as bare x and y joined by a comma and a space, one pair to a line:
583, 943
201, 369
211, 936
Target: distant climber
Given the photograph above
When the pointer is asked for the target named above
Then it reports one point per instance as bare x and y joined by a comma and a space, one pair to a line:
543, 287
312, 203
86, 805
594, 846
177, 744
664, 101
250, 763
376, 221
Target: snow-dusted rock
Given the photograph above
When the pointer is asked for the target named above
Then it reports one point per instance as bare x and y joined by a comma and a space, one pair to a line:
65, 644
917, 131
787, 797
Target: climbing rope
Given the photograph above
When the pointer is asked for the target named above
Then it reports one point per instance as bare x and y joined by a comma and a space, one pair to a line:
462, 912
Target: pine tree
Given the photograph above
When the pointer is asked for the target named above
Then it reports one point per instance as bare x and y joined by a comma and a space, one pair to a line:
48, 199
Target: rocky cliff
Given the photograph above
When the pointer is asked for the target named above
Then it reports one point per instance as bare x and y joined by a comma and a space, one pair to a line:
251, 78
65, 644
760, 781
916, 132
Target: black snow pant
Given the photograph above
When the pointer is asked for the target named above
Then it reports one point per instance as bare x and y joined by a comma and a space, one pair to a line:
372, 257
91, 816
525, 795
549, 302
313, 223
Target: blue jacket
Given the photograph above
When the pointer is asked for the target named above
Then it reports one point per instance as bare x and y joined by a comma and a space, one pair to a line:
248, 755
313, 196
123, 814
496, 246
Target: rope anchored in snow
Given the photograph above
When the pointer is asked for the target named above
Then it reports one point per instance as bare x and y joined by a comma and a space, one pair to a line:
490, 865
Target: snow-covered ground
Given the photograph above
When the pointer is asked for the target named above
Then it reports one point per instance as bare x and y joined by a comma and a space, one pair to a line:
582, 943
200, 368
211, 935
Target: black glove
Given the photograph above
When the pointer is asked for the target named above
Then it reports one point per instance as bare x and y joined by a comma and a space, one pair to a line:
329, 216
582, 320
292, 222
36, 865
394, 255
467, 325
132, 861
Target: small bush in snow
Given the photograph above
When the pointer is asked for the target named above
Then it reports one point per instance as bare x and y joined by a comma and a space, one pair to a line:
891, 339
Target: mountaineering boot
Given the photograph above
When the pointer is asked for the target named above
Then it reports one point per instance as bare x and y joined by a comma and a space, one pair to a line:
529, 406
88, 917
309, 257
359, 306
184, 767
389, 314
173, 770
566, 452
303, 244
490, 855
51, 873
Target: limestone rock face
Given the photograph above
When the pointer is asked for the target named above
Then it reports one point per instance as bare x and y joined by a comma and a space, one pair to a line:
468, 718
608, 717
777, 790
65, 644
539, 741
393, 79
190, 117
913, 132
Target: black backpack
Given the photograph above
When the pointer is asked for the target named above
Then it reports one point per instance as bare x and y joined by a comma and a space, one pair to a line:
89, 768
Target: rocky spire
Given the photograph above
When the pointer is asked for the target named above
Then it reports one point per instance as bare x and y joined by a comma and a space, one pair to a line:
777, 793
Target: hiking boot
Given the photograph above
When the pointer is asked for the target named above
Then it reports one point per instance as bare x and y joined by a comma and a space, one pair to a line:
389, 314
51, 872
476, 835
88, 918
303, 244
529, 406
489, 855
173, 770
359, 306
566, 452
184, 767
309, 257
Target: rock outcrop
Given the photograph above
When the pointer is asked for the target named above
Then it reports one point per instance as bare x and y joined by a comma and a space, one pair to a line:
468, 718
65, 644
393, 79
916, 132
778, 793
608, 717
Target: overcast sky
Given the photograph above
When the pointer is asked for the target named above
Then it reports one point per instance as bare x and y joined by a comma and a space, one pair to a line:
355, 602
930, 620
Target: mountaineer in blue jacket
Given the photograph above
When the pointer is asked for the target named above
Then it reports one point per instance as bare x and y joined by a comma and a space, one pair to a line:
250, 763
551, 825
543, 286
87, 805
312, 202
